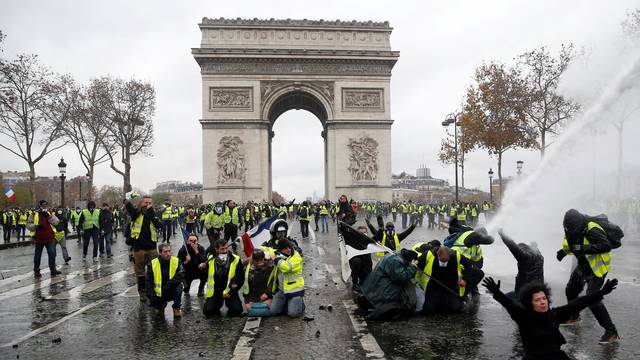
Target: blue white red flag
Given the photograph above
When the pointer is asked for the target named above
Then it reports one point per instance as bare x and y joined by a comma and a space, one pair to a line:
8, 192
257, 235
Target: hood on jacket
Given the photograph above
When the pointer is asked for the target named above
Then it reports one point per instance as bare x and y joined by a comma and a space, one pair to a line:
574, 224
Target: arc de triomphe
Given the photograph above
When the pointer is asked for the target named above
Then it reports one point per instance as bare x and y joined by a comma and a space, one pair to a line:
255, 70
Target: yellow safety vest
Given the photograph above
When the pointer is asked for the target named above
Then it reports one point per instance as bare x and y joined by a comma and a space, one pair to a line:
22, 220
167, 213
157, 273
324, 210
91, 219
211, 281
290, 279
136, 228
474, 253
213, 220
423, 280
600, 263
384, 242
232, 218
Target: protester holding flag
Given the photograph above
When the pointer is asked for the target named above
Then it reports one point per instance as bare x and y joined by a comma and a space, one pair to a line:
193, 258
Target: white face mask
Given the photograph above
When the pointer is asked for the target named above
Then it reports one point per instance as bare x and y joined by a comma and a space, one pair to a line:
442, 264
222, 257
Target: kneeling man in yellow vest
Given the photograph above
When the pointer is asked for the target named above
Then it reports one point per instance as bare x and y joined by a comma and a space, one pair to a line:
164, 281
225, 276
288, 288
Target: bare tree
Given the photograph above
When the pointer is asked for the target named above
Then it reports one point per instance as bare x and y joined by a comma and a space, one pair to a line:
131, 107
30, 117
88, 124
547, 110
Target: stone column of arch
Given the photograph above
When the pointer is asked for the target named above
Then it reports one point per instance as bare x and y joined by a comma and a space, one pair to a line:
255, 70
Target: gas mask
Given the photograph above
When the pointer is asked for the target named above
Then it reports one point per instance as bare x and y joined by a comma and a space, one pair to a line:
222, 257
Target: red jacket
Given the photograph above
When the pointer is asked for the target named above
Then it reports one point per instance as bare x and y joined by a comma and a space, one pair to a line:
44, 233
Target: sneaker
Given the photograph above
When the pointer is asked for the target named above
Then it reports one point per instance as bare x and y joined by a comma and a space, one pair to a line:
177, 313
55, 273
110, 256
95, 259
609, 337
37, 274
572, 322
66, 261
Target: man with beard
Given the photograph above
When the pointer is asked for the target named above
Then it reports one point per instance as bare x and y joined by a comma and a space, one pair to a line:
193, 258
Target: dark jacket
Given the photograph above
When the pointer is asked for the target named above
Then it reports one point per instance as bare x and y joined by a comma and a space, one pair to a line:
258, 282
143, 242
379, 233
530, 262
385, 284
345, 213
222, 274
540, 334
106, 221
166, 283
191, 267
447, 276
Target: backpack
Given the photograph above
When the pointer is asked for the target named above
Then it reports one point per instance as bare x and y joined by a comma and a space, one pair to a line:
613, 231
304, 212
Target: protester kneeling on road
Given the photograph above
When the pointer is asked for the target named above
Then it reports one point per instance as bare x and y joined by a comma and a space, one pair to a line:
388, 289
289, 297
194, 260
225, 276
258, 281
164, 281
537, 322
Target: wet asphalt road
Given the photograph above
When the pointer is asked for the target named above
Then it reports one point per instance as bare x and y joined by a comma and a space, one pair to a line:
92, 311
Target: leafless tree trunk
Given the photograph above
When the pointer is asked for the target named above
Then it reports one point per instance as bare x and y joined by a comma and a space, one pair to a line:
31, 117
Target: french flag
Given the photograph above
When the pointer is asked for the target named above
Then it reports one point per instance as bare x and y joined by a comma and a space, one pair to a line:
257, 235
8, 192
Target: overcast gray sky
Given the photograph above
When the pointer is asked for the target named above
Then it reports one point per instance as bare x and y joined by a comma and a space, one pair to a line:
440, 44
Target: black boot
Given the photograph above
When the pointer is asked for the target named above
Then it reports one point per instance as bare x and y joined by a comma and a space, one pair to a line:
142, 289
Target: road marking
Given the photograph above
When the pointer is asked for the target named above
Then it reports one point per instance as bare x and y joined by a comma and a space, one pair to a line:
244, 346
90, 286
53, 324
131, 292
367, 341
313, 236
320, 250
44, 283
334, 276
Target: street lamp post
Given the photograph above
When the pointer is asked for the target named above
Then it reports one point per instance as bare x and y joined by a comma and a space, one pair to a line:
519, 164
453, 119
62, 166
490, 186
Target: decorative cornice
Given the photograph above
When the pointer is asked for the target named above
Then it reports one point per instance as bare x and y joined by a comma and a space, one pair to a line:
295, 23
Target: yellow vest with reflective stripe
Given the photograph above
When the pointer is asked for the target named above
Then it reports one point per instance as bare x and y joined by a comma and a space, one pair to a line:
384, 242
136, 228
600, 263
474, 253
324, 210
157, 273
22, 220
211, 281
424, 276
167, 213
290, 279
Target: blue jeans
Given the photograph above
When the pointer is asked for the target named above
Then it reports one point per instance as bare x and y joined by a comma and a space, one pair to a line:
106, 239
324, 223
95, 235
404, 221
51, 253
293, 306
63, 246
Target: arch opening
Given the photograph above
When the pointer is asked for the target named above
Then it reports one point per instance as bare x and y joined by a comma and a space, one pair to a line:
299, 163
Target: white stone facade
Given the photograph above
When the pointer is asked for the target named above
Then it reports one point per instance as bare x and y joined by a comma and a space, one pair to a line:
250, 75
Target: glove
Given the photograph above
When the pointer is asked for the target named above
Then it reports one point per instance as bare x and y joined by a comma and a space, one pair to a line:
560, 255
609, 286
577, 249
491, 285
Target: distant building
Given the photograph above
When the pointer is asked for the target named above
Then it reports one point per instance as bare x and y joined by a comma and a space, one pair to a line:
180, 192
426, 189
10, 178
